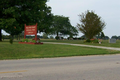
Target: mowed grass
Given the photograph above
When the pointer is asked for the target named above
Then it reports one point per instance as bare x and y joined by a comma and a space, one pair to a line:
25, 51
104, 42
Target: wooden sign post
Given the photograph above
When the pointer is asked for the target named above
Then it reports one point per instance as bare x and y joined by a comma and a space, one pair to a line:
31, 30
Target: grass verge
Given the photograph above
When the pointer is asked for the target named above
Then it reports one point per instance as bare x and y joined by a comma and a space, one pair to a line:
104, 42
25, 51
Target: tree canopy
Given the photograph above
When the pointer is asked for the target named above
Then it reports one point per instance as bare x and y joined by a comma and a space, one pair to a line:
62, 25
114, 37
91, 24
15, 13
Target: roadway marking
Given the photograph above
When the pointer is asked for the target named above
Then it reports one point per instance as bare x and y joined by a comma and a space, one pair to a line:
13, 71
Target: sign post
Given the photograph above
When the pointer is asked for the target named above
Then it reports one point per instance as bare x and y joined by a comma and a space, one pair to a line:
31, 30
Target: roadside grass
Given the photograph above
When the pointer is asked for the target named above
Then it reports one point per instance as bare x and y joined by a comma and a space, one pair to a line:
104, 42
26, 51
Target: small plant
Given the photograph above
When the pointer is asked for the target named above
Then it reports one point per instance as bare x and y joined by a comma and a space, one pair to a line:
88, 40
96, 41
11, 41
100, 41
33, 41
25, 40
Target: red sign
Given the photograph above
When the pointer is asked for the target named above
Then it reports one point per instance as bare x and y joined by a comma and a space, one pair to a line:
31, 30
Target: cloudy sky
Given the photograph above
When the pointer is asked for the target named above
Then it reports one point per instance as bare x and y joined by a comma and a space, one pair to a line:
108, 10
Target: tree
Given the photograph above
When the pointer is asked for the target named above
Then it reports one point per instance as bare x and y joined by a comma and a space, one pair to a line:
102, 35
106, 38
119, 37
91, 24
15, 13
114, 37
61, 25
0, 34
45, 36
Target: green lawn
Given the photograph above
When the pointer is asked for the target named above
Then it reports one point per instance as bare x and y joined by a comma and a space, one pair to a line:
104, 42
24, 51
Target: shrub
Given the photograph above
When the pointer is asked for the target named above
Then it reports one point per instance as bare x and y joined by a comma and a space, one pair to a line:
96, 41
33, 41
25, 40
11, 41
88, 40
57, 37
68, 38
92, 40
62, 38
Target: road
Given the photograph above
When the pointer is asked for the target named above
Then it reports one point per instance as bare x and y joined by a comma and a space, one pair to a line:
103, 67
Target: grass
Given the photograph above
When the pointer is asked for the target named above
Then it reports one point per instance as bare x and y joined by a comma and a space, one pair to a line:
25, 51
104, 42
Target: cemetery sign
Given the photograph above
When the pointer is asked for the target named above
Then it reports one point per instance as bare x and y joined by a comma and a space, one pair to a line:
31, 30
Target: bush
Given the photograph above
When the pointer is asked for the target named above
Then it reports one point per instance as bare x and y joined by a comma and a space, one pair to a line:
25, 40
33, 41
88, 40
11, 41
96, 41
68, 38
92, 40
57, 37
62, 38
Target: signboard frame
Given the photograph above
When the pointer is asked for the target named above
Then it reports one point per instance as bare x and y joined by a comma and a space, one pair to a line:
30, 30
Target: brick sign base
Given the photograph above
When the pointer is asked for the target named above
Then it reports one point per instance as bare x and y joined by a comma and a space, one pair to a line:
29, 43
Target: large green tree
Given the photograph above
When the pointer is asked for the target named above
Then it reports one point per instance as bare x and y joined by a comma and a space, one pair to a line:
62, 25
91, 24
15, 13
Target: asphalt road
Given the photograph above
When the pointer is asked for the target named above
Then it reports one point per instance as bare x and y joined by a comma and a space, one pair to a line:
105, 67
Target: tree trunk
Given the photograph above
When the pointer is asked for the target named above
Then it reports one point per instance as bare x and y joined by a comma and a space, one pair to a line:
12, 37
0, 34
57, 34
57, 37
18, 36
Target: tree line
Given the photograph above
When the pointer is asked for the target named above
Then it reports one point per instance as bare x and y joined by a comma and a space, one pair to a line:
15, 13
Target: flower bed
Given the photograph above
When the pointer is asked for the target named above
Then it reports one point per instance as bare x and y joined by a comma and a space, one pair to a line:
25, 41
29, 43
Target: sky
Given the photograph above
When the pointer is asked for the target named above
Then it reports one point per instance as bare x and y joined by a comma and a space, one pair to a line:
108, 10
